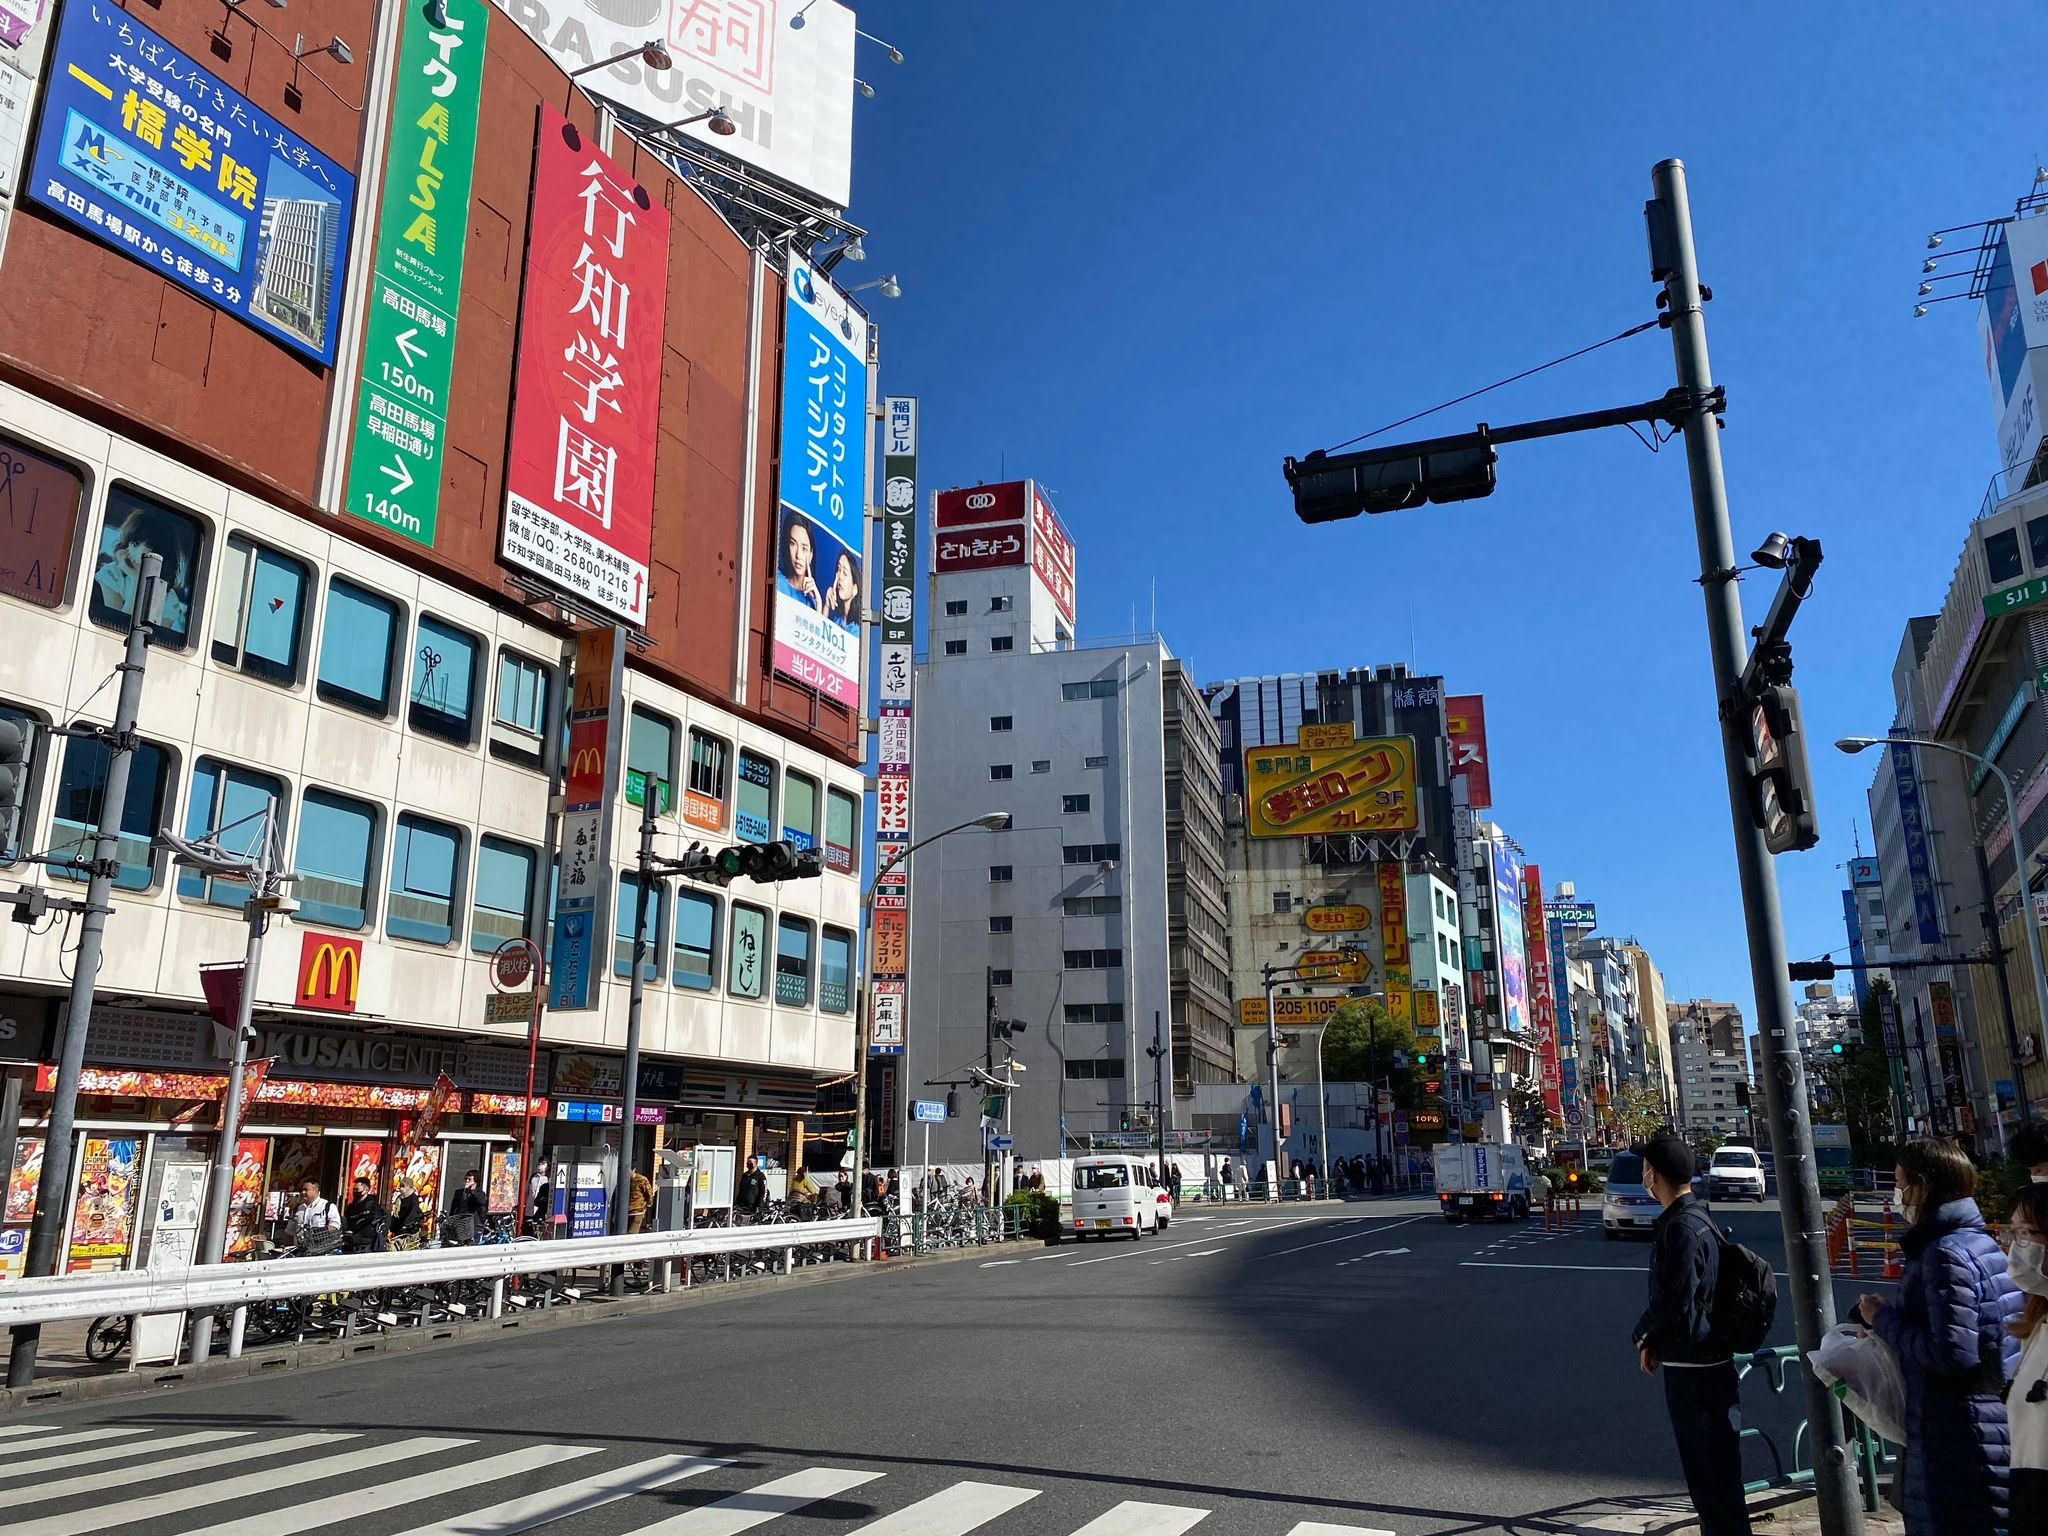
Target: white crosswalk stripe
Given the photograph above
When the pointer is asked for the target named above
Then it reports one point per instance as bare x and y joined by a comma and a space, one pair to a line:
959, 1509
757, 1506
251, 1485
1133, 1519
1320, 1528
99, 1455
9, 1431
524, 1514
149, 1472
88, 1436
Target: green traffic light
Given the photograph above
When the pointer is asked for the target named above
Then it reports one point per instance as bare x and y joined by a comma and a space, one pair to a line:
731, 863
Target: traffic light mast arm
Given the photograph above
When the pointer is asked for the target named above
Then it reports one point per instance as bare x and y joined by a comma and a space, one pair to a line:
1824, 970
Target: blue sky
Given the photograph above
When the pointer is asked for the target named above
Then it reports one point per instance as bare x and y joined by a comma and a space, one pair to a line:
1149, 250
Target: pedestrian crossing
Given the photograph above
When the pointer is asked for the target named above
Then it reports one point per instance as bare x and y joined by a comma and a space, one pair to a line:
169, 1479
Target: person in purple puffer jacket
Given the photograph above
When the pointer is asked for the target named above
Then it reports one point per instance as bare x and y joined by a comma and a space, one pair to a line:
1948, 1325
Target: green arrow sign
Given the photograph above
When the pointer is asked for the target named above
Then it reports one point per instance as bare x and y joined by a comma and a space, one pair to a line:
394, 468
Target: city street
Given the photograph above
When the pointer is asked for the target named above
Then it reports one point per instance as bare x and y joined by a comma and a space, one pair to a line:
1277, 1373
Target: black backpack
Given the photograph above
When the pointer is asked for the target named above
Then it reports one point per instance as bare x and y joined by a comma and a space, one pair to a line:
1745, 1296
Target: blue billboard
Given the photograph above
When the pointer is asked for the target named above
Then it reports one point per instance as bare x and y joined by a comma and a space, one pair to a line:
1919, 861
2008, 337
1509, 951
1853, 921
139, 146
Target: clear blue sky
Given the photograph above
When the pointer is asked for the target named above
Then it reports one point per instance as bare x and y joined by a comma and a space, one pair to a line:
1148, 250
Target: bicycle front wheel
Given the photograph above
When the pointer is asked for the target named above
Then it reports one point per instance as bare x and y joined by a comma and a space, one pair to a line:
106, 1338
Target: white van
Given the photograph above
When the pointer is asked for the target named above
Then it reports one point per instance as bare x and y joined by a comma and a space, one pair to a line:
1114, 1195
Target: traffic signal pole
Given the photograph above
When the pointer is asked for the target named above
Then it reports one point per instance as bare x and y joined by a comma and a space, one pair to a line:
1675, 263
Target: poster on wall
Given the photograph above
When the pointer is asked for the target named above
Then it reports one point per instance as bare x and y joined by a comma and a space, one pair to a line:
103, 1216
1465, 725
821, 487
364, 1160
1542, 988
502, 1183
142, 147
1507, 939
21, 1183
245, 1193
579, 469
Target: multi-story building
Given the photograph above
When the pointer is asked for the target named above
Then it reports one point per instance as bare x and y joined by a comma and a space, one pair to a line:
1660, 1065
1712, 1084
1097, 920
1618, 1017
1869, 930
390, 690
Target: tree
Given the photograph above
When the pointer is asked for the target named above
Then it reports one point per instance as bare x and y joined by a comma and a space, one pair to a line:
1359, 1045
1639, 1110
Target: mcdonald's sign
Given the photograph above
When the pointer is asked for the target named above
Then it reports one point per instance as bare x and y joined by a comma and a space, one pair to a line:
330, 969
585, 778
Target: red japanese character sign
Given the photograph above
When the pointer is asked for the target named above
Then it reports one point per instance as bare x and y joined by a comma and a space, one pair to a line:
1052, 554
579, 476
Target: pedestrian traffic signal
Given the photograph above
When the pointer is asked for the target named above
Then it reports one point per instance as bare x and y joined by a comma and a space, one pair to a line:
13, 779
1780, 787
1329, 486
1127, 1120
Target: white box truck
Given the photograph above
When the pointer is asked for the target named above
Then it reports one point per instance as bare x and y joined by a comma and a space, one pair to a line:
1476, 1181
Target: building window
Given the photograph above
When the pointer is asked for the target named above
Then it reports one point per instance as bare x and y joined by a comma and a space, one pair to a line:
956, 647
1091, 853
1283, 902
652, 930
227, 806
1095, 1067
1094, 959
444, 665
956, 607
335, 859
998, 874
998, 771
81, 795
754, 815
696, 940
2001, 557
800, 810
1002, 643
1074, 805
1000, 924
999, 722
835, 971
1095, 1013
842, 829
1094, 688
259, 611
134, 527
1095, 762
1094, 906
425, 869
31, 738
998, 978
1041, 765
40, 503
710, 771
650, 753
747, 968
2037, 542
523, 694
1001, 604
793, 963
502, 903
357, 636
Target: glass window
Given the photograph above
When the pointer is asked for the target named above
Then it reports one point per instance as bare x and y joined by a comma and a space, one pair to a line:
1002, 642
955, 607
998, 978
134, 527
227, 806
356, 640
999, 722
504, 892
650, 753
81, 796
835, 971
426, 857
999, 771
259, 609
800, 810
1041, 765
336, 848
444, 663
696, 951
1001, 604
710, 774
523, 693
754, 813
1074, 805
31, 738
747, 967
40, 503
1283, 901
1095, 762
956, 647
999, 873
999, 925
2037, 542
1095, 688
652, 930
793, 962
842, 826
2001, 556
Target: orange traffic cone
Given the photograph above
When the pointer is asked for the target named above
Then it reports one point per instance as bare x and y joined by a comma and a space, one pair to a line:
1892, 1269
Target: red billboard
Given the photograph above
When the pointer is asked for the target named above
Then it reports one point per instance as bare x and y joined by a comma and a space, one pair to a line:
979, 549
966, 506
579, 471
1465, 721
1542, 989
1052, 553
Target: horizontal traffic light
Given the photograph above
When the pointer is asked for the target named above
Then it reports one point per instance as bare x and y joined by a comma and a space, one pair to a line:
762, 862
1329, 486
1811, 970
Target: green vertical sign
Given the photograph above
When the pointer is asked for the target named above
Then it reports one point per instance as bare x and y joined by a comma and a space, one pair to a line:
394, 465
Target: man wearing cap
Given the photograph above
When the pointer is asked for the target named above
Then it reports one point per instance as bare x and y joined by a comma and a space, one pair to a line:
1676, 1332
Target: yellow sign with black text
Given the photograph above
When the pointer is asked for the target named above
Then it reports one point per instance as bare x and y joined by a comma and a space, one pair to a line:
1363, 786
1291, 1010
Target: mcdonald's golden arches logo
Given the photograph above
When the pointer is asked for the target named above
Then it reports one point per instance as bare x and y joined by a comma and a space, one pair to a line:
330, 970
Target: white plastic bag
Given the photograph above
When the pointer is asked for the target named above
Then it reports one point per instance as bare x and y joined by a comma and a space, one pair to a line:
1865, 1374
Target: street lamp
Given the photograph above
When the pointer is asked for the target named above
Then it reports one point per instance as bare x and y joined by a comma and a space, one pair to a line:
653, 53
891, 289
1855, 744
718, 120
989, 821
1306, 971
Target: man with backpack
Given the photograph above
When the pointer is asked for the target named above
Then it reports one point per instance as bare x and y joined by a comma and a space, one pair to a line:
1678, 1333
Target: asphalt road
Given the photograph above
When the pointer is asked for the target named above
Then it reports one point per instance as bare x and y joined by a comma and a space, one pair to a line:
1283, 1373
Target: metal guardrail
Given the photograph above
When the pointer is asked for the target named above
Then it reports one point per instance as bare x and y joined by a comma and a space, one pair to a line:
141, 1292
1779, 1367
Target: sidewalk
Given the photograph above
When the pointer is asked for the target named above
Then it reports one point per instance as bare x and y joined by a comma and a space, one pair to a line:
1781, 1512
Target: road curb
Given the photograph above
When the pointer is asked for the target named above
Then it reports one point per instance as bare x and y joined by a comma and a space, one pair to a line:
331, 1352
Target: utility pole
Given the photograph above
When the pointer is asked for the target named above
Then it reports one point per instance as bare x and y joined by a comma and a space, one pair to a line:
1674, 262
636, 993
104, 866
1158, 1053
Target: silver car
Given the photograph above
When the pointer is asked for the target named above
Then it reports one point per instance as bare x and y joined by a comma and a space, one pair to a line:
1628, 1207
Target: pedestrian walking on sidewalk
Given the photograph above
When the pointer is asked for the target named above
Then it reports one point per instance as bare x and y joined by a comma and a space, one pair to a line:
2026, 1404
751, 1196
1543, 1193
1676, 1335
1948, 1326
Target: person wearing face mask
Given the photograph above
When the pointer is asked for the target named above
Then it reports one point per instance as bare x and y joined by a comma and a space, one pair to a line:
1948, 1327
2026, 1404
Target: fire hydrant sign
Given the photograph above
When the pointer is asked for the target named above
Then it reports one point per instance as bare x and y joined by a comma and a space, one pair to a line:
394, 468
579, 476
